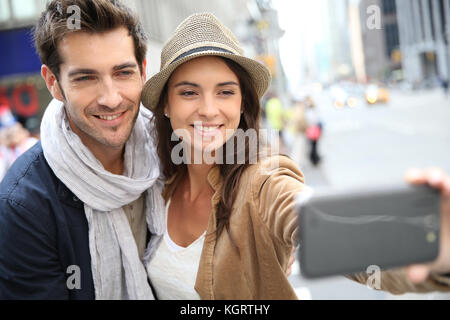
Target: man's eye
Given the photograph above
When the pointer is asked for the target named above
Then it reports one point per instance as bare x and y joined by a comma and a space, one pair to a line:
84, 78
125, 73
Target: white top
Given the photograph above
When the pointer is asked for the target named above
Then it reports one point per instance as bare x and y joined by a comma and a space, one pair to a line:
173, 269
312, 117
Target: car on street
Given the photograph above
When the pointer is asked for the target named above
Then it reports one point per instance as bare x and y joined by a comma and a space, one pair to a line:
346, 95
376, 94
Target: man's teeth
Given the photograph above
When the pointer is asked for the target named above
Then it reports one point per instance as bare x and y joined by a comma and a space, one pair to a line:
109, 118
206, 128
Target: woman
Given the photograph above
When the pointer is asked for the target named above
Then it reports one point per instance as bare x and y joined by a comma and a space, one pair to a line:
230, 224
230, 227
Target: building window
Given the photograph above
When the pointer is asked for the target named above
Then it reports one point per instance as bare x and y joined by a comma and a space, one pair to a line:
432, 18
392, 38
24, 9
4, 11
445, 21
389, 7
20, 13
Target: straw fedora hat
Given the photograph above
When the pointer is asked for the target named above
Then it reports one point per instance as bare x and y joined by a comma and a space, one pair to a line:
201, 34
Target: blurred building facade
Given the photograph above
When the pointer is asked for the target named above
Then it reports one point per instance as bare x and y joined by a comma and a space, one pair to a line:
339, 39
374, 39
160, 18
424, 27
263, 34
323, 40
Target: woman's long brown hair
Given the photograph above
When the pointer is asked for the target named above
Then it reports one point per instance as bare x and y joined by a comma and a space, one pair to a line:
230, 173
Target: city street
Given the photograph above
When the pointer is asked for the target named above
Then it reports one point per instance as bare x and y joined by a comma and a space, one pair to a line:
378, 143
369, 145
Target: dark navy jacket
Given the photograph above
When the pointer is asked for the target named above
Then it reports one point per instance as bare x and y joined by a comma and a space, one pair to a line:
44, 238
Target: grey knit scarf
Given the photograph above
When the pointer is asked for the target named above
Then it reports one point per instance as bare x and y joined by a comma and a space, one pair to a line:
117, 270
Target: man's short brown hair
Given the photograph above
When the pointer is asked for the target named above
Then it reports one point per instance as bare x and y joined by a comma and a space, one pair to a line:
96, 16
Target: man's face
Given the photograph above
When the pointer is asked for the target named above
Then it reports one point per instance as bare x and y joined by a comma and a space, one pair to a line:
100, 84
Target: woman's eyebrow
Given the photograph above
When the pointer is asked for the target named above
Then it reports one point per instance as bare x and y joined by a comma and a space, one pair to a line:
186, 83
228, 83
192, 84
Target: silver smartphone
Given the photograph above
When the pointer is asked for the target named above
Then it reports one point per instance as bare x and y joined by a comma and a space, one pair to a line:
346, 231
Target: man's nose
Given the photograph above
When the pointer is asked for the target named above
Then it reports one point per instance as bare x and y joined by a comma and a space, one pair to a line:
109, 94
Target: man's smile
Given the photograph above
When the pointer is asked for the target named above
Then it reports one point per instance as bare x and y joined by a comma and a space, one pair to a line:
111, 119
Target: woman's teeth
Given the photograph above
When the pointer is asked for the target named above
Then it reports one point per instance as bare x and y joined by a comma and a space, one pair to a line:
206, 129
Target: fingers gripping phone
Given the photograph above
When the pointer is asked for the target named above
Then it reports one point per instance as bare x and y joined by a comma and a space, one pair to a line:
346, 231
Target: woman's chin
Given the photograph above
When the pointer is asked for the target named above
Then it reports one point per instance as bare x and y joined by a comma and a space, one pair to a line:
204, 154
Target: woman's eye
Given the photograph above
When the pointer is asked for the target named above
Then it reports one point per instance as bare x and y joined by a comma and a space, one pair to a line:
187, 93
227, 92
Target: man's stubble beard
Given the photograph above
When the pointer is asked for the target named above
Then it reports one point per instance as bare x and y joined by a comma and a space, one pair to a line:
94, 133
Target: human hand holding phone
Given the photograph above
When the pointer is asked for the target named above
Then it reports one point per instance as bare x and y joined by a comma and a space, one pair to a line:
352, 230
438, 179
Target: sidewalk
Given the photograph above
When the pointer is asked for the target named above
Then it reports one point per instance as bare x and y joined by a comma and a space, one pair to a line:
314, 176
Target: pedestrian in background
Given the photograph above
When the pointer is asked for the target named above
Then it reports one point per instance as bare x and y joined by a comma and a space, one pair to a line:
313, 130
445, 86
6, 121
275, 117
444, 83
14, 139
296, 126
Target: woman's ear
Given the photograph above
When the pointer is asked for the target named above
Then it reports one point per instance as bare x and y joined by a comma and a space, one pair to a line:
166, 111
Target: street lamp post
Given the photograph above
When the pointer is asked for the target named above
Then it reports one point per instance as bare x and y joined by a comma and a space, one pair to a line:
447, 34
269, 34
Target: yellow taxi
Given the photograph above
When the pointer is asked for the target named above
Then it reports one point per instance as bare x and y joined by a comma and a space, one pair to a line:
376, 94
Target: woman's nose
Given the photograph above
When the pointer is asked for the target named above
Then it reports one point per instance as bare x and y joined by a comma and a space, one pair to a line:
207, 107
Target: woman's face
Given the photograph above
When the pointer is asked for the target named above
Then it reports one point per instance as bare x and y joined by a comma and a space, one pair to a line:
204, 102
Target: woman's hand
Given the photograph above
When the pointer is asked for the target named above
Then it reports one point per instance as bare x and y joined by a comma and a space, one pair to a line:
291, 262
436, 178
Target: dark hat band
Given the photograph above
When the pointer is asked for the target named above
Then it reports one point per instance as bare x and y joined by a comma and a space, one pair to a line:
200, 49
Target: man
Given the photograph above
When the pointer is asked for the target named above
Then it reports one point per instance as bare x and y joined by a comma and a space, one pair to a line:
73, 209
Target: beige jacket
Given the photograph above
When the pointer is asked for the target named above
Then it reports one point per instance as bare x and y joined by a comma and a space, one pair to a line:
264, 227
